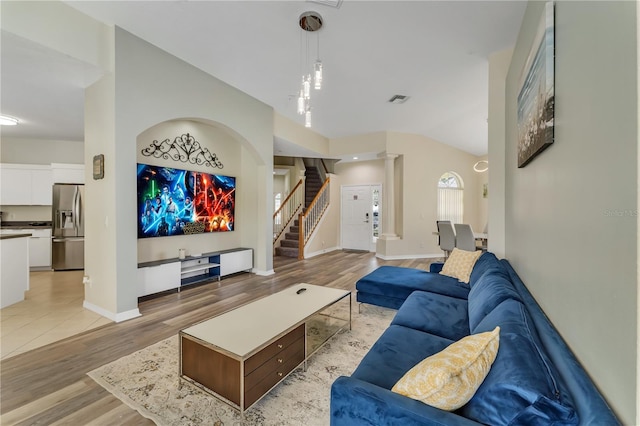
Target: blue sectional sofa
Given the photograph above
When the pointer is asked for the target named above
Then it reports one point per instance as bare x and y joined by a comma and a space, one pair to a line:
534, 380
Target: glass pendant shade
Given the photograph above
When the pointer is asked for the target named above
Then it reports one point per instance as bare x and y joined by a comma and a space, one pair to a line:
317, 74
307, 117
301, 103
306, 86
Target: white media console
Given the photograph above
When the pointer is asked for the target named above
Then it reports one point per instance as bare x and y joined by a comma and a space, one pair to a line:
169, 274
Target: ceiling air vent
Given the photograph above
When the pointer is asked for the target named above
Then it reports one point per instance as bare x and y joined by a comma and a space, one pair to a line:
332, 3
398, 99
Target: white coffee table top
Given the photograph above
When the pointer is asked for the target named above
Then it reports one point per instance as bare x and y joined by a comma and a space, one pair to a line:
245, 329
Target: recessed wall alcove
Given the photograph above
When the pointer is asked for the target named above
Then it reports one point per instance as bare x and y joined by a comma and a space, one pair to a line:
232, 151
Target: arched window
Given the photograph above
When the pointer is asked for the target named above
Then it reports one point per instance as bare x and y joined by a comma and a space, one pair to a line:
450, 198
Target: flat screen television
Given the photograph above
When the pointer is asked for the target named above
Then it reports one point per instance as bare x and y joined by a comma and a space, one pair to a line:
180, 202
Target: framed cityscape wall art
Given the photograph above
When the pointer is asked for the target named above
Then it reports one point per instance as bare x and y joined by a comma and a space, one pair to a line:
536, 98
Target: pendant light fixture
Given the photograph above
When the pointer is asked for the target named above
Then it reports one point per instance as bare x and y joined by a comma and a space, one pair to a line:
5, 120
309, 22
481, 166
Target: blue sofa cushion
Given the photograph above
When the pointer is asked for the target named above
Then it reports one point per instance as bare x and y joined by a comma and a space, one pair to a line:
358, 403
400, 282
378, 300
520, 388
434, 313
485, 261
590, 405
487, 293
436, 267
396, 352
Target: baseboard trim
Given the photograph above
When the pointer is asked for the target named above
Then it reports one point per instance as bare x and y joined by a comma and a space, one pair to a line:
409, 256
115, 317
318, 253
262, 272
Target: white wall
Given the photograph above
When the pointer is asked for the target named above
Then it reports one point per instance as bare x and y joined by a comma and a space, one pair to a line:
423, 161
326, 236
50, 24
41, 151
228, 151
100, 198
571, 223
150, 86
498, 67
296, 133
420, 164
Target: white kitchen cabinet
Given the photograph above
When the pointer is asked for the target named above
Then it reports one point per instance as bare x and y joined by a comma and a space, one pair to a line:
25, 185
14, 270
39, 249
13, 184
41, 184
67, 173
39, 246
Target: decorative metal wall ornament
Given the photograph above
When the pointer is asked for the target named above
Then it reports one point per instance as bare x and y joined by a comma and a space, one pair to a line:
184, 148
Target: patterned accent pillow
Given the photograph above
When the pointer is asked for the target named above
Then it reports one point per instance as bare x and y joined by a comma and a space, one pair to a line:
460, 264
450, 378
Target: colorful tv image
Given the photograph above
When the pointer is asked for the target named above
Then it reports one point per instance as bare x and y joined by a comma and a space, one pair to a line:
180, 202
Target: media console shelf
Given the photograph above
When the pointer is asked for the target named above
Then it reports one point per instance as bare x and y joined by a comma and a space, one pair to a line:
199, 268
169, 274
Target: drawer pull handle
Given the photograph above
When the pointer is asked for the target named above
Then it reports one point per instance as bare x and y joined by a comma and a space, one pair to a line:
280, 360
279, 346
279, 374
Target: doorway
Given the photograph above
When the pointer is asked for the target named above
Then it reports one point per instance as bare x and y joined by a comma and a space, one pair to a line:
360, 216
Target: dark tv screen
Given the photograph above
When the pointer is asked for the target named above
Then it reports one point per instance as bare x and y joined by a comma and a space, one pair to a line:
179, 202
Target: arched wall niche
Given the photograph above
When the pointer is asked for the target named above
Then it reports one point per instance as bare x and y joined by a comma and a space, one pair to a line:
233, 153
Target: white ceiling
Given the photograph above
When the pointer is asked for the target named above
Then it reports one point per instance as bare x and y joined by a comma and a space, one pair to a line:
436, 52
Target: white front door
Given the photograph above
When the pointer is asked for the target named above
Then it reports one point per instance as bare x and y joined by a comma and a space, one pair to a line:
357, 217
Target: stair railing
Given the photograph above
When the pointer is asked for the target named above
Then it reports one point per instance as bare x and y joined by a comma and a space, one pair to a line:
287, 211
310, 218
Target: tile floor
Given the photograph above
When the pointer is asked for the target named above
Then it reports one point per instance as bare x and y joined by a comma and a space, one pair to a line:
52, 310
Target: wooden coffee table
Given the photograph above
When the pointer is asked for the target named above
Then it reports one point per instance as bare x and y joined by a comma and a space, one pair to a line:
241, 355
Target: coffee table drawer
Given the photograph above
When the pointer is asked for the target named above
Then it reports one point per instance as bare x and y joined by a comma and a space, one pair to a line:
276, 363
285, 362
271, 350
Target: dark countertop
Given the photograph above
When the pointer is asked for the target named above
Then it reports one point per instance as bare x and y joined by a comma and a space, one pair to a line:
8, 237
27, 224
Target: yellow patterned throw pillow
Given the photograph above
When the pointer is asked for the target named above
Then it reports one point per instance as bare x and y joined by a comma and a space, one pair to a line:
450, 378
460, 264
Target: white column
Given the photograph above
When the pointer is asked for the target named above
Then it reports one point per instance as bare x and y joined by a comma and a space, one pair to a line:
388, 198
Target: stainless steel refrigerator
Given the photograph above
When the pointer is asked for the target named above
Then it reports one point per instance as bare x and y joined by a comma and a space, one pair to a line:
67, 248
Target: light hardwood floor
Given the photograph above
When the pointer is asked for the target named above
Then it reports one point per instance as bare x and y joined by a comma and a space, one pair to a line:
49, 385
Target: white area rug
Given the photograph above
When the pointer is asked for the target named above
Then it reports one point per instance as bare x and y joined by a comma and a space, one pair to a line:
148, 382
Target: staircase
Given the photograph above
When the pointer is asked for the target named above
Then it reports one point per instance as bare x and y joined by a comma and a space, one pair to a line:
312, 184
290, 244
